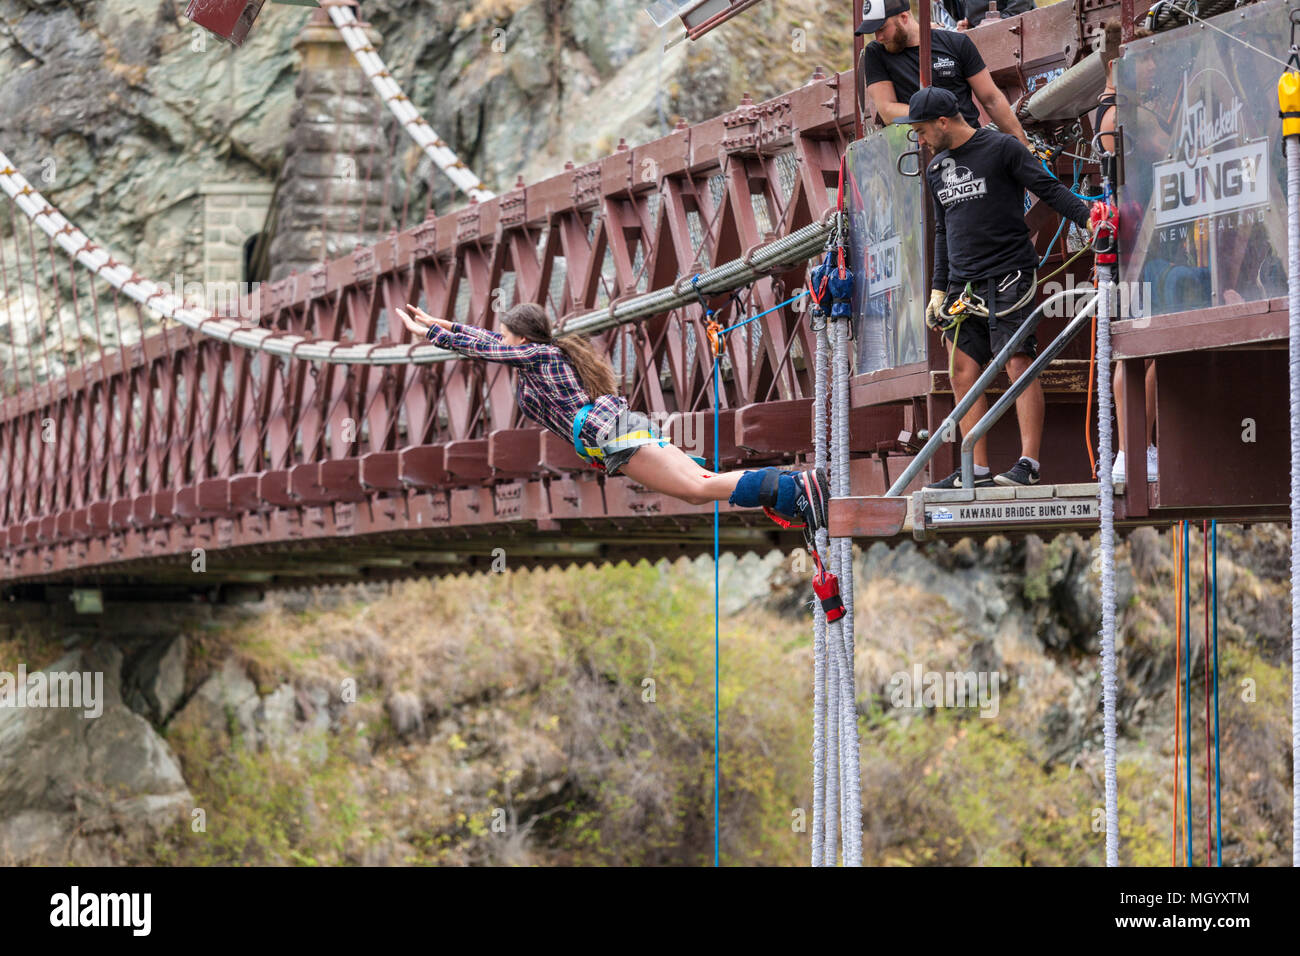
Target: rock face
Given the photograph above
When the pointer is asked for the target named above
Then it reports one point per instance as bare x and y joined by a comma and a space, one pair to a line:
225, 705
154, 679
84, 789
382, 727
142, 128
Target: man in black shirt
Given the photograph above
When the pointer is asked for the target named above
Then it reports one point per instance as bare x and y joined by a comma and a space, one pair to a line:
891, 67
977, 181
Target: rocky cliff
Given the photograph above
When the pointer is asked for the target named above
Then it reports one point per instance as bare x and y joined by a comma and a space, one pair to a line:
123, 111
165, 143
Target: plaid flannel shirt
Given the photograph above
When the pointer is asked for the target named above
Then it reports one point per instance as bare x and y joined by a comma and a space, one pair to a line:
548, 389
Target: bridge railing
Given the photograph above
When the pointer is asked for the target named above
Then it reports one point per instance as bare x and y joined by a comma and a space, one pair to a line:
81, 441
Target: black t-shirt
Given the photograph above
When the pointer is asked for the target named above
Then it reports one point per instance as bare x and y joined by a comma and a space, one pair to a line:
979, 208
953, 60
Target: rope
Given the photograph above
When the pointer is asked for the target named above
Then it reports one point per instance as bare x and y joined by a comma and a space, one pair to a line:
1187, 678
837, 782
971, 303
716, 341
821, 665
842, 552
1293, 297
1214, 597
717, 653
1205, 589
1178, 687
1106, 496
399, 104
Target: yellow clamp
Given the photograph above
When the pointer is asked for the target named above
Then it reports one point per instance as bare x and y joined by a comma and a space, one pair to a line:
1288, 100
967, 300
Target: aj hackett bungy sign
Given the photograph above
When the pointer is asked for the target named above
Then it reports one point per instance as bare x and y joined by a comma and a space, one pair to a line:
1215, 169
884, 270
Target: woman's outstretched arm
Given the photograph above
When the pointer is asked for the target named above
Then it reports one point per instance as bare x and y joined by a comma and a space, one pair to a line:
467, 340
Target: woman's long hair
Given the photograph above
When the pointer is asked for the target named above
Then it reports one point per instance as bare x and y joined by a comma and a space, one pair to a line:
530, 321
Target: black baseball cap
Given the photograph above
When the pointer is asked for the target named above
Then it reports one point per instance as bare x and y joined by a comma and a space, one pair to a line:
876, 12
929, 103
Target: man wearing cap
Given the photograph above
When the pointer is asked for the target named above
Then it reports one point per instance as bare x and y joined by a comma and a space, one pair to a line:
891, 67
977, 181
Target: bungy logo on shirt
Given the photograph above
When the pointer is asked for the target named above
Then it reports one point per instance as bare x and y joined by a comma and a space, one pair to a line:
1214, 169
959, 183
945, 63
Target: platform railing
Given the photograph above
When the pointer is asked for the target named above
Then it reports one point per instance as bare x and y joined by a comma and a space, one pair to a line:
1008, 398
949, 425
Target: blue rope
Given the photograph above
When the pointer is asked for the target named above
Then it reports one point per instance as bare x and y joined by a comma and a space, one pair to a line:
1075, 188
1075, 191
1047, 255
716, 657
1187, 680
781, 305
717, 465
1214, 591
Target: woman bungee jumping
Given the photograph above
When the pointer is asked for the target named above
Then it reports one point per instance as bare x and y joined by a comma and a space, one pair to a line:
567, 387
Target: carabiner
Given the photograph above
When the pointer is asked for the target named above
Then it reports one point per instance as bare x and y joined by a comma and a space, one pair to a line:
1293, 62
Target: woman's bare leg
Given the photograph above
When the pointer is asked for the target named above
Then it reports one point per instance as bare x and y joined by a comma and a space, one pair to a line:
1117, 391
669, 470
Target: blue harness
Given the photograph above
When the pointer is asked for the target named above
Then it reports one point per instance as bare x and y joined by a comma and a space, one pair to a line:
591, 455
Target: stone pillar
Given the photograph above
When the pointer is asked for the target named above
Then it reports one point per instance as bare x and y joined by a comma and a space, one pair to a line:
233, 213
333, 143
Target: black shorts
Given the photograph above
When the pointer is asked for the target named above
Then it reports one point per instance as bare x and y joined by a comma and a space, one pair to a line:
983, 337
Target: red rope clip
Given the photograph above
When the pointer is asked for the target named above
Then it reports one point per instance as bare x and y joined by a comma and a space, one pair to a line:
781, 521
827, 588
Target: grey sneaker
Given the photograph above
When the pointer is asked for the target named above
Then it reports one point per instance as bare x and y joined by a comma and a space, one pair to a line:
954, 481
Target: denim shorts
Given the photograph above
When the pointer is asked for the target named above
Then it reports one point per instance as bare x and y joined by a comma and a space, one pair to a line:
620, 439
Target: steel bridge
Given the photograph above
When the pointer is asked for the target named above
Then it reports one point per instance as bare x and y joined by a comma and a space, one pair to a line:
287, 470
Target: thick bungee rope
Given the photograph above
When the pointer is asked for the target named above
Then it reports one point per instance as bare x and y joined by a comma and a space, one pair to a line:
1288, 94
837, 778
1103, 243
821, 665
